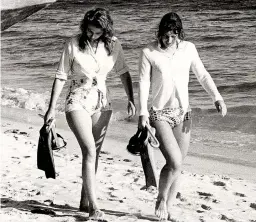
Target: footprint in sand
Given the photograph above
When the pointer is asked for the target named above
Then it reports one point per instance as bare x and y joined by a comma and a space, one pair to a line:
129, 172
15, 157
112, 195
12, 131
203, 194
215, 201
225, 178
253, 206
112, 188
205, 207
180, 197
6, 124
75, 156
219, 183
104, 152
136, 180
26, 157
239, 194
16, 131
225, 218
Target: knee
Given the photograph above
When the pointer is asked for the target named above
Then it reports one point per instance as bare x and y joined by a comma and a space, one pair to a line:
89, 156
174, 165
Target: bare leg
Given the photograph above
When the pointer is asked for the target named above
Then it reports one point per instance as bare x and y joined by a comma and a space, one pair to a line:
173, 156
100, 122
182, 134
84, 202
80, 123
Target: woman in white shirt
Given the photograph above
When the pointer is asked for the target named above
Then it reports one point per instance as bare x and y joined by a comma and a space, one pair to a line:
164, 65
86, 60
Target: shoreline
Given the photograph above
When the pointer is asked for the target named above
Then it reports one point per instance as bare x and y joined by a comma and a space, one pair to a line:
199, 159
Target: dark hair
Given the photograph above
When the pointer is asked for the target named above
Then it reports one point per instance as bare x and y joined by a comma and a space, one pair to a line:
100, 18
170, 22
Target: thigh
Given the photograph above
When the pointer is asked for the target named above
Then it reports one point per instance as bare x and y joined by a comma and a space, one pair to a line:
80, 123
100, 121
168, 143
182, 133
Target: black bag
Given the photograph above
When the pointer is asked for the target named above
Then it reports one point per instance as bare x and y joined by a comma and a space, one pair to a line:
141, 144
136, 142
49, 140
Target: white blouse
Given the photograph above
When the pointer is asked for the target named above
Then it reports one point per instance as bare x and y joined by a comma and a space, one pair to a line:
168, 75
92, 66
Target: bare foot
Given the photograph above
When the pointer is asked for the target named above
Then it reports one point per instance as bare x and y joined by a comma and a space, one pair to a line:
169, 217
161, 209
97, 215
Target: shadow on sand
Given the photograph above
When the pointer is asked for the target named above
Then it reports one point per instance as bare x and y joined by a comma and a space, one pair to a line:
55, 210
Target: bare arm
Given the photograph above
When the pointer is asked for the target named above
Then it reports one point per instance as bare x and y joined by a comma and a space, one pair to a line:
144, 86
127, 83
56, 90
207, 82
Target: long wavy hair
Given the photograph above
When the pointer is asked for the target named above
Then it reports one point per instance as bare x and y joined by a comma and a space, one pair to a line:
170, 22
100, 18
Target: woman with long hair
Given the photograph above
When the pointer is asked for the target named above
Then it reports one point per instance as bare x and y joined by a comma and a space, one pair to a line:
87, 60
165, 65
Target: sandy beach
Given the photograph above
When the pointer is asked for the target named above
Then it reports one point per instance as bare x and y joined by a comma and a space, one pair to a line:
218, 180
26, 194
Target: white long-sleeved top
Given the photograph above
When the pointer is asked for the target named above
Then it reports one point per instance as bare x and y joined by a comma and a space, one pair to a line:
168, 75
76, 64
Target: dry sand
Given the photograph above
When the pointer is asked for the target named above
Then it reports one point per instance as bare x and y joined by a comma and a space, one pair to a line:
26, 195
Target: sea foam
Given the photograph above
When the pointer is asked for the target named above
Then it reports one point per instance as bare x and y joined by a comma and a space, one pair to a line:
241, 118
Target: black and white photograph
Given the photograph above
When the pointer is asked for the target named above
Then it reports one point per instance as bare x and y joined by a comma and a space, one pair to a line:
129, 111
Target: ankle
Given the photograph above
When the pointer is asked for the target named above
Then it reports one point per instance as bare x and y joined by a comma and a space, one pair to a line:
93, 207
161, 199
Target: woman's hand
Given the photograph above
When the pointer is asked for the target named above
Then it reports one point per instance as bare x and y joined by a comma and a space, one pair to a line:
143, 121
221, 107
50, 114
131, 109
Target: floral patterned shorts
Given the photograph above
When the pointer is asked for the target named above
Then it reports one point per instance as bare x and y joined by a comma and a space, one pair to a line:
82, 97
174, 116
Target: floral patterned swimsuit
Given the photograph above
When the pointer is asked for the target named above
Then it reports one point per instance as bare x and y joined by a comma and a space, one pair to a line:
84, 96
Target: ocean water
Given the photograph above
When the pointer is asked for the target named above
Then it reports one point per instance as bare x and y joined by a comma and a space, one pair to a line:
223, 31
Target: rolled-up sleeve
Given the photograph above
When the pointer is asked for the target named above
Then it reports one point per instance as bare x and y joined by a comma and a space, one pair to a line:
144, 83
120, 64
65, 62
203, 76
